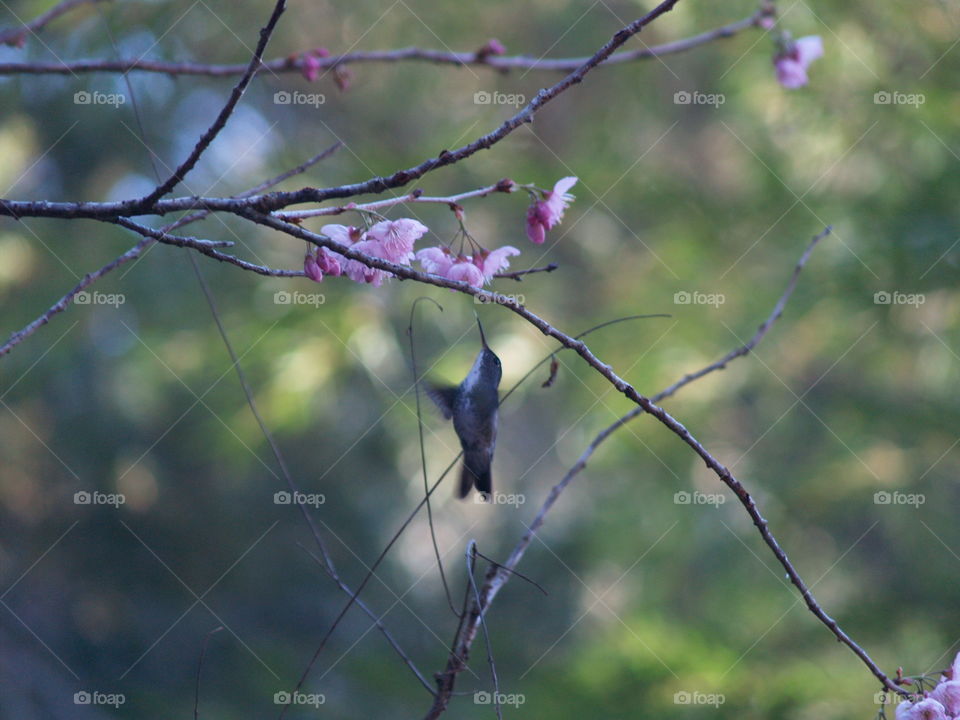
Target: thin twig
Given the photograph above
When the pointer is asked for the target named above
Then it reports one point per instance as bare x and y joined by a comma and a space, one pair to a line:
471, 562
417, 196
203, 652
423, 452
376, 620
518, 274
17, 34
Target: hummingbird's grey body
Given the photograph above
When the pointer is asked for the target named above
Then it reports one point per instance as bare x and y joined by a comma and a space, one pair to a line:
473, 406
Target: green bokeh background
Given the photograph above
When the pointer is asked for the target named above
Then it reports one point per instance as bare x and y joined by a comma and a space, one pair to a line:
647, 597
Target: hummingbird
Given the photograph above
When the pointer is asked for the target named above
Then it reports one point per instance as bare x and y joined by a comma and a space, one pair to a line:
473, 406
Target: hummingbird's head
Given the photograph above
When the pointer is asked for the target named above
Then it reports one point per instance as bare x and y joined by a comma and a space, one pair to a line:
486, 370
488, 366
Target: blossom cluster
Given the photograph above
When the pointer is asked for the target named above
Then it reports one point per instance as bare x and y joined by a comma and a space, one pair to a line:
941, 703
394, 240
390, 240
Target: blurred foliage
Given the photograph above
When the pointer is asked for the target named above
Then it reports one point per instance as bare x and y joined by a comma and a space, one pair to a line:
647, 598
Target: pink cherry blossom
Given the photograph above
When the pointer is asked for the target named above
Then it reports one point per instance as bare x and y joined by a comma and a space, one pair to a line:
536, 230
557, 201
496, 261
791, 65
466, 271
329, 262
544, 214
358, 272
492, 47
953, 673
436, 260
310, 67
948, 694
342, 234
924, 710
311, 269
398, 237
310, 63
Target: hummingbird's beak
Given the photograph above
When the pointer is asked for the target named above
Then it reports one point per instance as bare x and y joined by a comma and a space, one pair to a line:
483, 338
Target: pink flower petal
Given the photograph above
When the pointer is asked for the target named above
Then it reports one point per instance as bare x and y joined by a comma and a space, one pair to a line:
358, 272
948, 695
497, 261
329, 262
924, 710
435, 260
311, 269
556, 202
467, 272
808, 49
398, 237
310, 67
535, 228
790, 73
341, 234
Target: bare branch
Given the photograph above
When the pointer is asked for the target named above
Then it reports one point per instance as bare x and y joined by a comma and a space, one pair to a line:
211, 133
294, 63
138, 249
151, 205
206, 247
518, 274
60, 305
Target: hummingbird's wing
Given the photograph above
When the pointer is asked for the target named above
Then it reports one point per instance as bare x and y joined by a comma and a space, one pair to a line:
443, 398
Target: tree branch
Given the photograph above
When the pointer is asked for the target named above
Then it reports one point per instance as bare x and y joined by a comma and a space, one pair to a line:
137, 250
295, 64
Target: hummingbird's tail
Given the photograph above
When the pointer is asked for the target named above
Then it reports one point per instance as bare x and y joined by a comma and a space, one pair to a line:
475, 472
